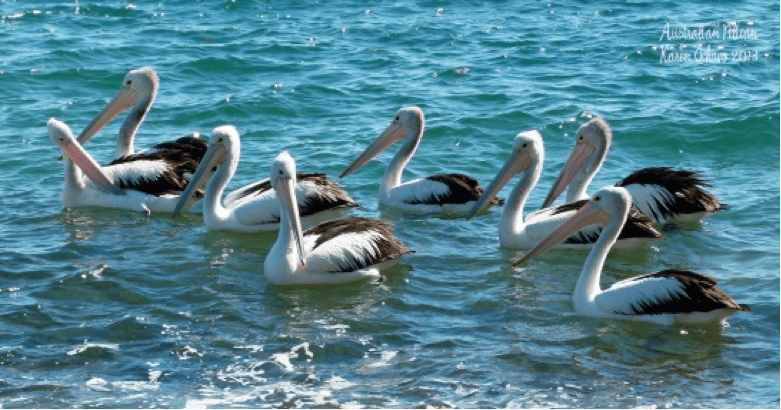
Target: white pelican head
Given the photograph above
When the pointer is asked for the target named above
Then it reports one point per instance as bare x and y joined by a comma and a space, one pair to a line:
527, 151
224, 151
408, 124
592, 141
62, 136
139, 89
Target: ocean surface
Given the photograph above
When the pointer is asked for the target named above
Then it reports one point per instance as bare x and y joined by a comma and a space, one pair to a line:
109, 308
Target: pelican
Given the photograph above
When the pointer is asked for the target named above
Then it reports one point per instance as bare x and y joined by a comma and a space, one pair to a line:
178, 158
337, 251
661, 193
664, 297
450, 193
256, 207
519, 232
89, 184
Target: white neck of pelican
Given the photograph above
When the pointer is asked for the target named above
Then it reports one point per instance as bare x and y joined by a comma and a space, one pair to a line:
129, 127
74, 178
285, 250
395, 169
587, 286
577, 188
287, 256
582, 179
213, 210
511, 222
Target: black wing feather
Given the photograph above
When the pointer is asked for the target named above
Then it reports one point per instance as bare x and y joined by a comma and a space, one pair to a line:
461, 189
182, 156
687, 189
387, 246
334, 197
700, 294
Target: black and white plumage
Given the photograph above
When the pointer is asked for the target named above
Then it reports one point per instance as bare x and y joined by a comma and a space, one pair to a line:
523, 232
255, 207
450, 193
665, 194
686, 291
160, 170
337, 251
164, 167
661, 193
664, 297
329, 194
113, 185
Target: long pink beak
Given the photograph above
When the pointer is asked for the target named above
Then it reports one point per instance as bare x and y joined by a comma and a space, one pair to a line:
75, 152
287, 197
576, 161
214, 156
515, 164
391, 134
586, 216
124, 99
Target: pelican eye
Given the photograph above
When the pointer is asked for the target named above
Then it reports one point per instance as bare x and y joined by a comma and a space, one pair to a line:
129, 82
397, 118
597, 198
524, 145
280, 172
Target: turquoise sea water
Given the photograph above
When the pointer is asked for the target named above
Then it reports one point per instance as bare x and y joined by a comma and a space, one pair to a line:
107, 308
